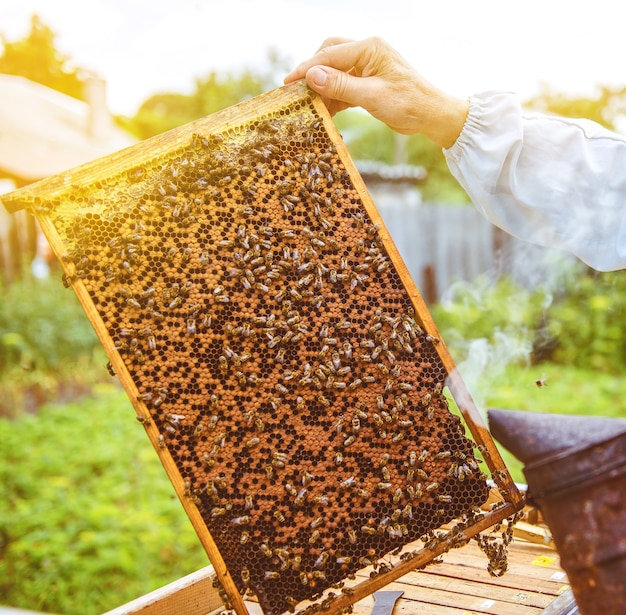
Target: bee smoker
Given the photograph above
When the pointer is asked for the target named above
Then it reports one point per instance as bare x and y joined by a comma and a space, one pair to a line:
575, 468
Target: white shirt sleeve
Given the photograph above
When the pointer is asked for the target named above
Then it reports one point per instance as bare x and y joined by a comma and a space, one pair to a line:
549, 180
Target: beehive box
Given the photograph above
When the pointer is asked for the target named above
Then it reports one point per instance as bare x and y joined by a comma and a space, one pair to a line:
275, 349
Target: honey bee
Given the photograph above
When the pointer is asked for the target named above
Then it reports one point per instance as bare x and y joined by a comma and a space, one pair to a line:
323, 400
300, 498
347, 483
252, 442
355, 383
315, 536
320, 562
243, 520
322, 500
296, 562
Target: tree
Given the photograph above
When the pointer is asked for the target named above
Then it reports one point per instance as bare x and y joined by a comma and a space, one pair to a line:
36, 58
212, 92
604, 108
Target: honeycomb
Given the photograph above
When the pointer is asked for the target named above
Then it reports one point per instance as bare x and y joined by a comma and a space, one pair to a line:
273, 348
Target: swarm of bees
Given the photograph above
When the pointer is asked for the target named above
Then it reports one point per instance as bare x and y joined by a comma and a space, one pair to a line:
277, 351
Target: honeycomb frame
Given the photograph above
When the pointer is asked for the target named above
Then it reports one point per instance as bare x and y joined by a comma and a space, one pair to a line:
276, 351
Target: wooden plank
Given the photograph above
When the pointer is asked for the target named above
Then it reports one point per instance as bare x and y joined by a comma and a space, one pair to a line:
414, 597
563, 605
465, 587
541, 567
533, 533
518, 581
478, 589
544, 567
461, 588
194, 594
518, 591
369, 585
364, 607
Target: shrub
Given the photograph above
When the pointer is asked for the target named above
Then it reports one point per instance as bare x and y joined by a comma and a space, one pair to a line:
48, 349
88, 517
581, 323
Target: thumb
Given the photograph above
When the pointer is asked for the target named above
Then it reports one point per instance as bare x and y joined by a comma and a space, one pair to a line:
336, 85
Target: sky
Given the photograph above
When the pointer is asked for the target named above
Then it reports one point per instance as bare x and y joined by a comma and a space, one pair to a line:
142, 47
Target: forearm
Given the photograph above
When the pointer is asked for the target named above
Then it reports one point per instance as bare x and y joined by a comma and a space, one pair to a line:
549, 180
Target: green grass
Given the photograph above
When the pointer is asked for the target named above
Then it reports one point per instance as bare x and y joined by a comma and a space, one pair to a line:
565, 390
88, 517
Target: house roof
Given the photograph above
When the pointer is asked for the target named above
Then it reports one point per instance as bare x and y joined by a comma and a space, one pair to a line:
44, 132
378, 172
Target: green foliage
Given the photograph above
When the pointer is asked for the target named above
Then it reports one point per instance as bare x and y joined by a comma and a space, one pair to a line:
588, 324
604, 108
570, 339
36, 58
46, 344
88, 517
567, 390
582, 323
211, 93
369, 139
491, 311
42, 325
365, 137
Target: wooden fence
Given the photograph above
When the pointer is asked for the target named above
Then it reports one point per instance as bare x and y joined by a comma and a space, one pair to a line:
440, 244
443, 244
18, 242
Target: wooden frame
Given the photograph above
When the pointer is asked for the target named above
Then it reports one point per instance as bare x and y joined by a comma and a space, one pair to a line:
535, 586
96, 185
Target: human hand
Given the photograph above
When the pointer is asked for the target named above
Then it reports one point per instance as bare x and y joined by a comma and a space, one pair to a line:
373, 75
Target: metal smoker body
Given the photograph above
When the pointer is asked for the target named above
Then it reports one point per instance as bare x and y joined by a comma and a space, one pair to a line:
576, 473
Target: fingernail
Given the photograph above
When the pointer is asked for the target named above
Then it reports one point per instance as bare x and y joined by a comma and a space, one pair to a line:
318, 76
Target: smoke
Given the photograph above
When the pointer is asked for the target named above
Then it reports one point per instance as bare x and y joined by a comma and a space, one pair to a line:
501, 315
